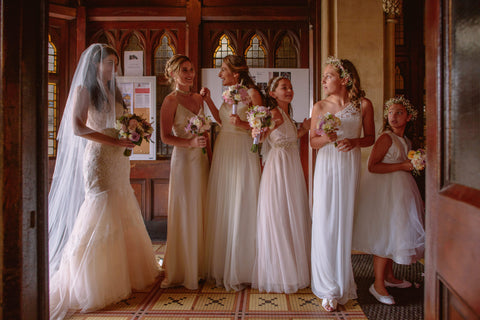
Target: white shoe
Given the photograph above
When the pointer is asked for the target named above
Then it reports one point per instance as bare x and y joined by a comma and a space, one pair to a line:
383, 299
329, 305
404, 284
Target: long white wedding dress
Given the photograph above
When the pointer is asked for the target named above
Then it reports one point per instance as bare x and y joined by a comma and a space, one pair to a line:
282, 262
232, 204
334, 194
109, 251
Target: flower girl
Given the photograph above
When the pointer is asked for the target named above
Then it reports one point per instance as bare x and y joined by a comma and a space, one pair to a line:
282, 263
389, 220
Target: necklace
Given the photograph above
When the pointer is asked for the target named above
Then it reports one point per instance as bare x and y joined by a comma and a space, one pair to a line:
183, 91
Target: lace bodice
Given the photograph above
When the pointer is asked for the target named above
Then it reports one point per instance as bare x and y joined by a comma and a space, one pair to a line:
104, 166
351, 126
285, 135
104, 120
398, 150
225, 112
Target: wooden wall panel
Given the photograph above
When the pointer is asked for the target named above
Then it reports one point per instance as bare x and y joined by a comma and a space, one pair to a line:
159, 199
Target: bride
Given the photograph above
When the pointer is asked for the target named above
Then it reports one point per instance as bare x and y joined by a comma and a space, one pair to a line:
99, 249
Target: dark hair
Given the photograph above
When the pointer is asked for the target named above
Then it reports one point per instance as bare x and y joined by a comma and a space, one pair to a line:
272, 85
98, 96
237, 64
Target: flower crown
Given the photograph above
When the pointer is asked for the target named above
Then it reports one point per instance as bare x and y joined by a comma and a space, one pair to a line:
344, 74
404, 102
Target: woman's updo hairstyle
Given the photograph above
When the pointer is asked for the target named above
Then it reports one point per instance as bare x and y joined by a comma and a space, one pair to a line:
173, 66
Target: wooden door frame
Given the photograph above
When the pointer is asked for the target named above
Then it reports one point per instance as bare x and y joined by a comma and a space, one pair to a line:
23, 163
452, 219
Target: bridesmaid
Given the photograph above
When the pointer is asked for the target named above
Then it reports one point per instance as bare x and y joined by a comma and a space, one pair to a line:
283, 217
232, 186
337, 170
183, 262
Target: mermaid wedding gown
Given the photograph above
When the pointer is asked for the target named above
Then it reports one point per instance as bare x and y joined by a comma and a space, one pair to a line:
109, 251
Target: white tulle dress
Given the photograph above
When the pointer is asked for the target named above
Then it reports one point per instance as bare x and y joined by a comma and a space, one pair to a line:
232, 204
335, 186
283, 219
109, 252
183, 261
389, 219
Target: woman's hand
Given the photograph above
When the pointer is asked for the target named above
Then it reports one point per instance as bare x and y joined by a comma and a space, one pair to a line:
306, 123
125, 143
235, 120
346, 145
205, 93
198, 142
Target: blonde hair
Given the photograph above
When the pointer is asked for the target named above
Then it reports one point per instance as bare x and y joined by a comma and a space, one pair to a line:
173, 66
347, 70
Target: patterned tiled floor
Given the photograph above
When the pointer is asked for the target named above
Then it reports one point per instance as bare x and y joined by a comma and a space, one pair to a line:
211, 302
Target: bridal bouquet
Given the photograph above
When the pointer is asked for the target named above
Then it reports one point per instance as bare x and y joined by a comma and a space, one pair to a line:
328, 123
236, 94
198, 125
417, 158
134, 128
260, 118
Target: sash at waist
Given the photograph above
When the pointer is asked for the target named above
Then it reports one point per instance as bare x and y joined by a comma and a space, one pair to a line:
285, 145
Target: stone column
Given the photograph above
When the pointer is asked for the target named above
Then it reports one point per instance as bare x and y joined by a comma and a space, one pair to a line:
392, 10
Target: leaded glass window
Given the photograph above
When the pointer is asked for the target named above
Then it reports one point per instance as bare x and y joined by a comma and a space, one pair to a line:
255, 55
163, 52
286, 54
52, 119
224, 49
52, 56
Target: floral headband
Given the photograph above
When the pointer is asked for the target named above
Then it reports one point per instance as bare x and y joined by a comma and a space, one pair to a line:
344, 74
404, 102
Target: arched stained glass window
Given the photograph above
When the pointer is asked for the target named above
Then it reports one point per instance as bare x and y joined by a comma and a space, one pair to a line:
163, 52
52, 56
255, 55
286, 54
224, 49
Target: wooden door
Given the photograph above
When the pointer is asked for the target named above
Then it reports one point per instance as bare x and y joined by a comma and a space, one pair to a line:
452, 280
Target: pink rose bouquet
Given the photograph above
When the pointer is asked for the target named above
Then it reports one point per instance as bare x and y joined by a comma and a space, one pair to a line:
259, 117
236, 94
418, 159
134, 128
198, 125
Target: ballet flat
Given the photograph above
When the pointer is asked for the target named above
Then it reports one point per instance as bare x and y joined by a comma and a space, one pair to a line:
383, 299
404, 284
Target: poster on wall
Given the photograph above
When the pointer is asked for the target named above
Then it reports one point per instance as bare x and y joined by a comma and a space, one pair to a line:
301, 104
133, 63
139, 95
